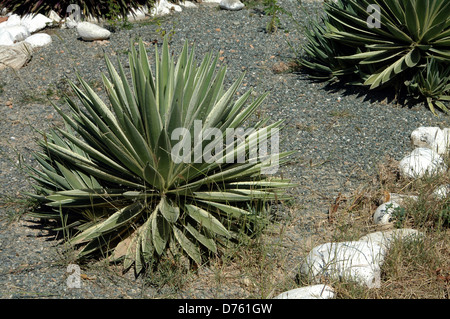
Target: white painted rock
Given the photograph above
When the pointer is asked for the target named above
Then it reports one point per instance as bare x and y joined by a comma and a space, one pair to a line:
54, 16
6, 38
442, 191
14, 56
91, 32
36, 22
308, 292
232, 5
359, 261
17, 32
163, 7
384, 213
188, 4
13, 19
385, 238
70, 23
38, 40
420, 162
3, 21
433, 138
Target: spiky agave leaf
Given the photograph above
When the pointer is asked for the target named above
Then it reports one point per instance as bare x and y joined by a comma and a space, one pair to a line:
118, 157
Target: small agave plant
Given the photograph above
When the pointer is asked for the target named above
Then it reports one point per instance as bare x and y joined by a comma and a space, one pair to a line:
110, 179
407, 35
432, 83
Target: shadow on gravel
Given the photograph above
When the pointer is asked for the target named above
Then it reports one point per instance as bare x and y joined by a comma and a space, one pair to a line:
385, 95
46, 228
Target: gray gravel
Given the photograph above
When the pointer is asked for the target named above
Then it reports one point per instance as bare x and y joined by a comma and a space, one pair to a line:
340, 136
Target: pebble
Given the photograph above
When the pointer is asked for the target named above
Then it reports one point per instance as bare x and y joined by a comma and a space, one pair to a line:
384, 214
421, 162
92, 32
232, 5
39, 40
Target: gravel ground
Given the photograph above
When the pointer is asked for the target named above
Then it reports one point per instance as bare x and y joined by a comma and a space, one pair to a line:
339, 134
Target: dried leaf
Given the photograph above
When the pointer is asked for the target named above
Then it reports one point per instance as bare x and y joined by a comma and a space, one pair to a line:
122, 248
334, 208
86, 277
387, 196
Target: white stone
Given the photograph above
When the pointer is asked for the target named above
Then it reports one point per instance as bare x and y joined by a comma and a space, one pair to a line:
358, 261
91, 32
3, 24
433, 138
17, 32
308, 292
442, 191
163, 7
13, 20
38, 40
232, 5
54, 16
6, 38
188, 4
385, 238
15, 56
424, 136
421, 161
70, 23
36, 22
384, 213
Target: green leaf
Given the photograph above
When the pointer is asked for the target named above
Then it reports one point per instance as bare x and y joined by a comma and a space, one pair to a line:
412, 58
236, 212
145, 236
120, 218
203, 239
221, 196
160, 231
189, 247
207, 220
93, 152
362, 55
168, 210
412, 19
139, 143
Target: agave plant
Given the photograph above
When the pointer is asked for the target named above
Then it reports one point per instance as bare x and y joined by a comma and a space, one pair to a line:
410, 32
433, 83
110, 176
97, 9
323, 54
